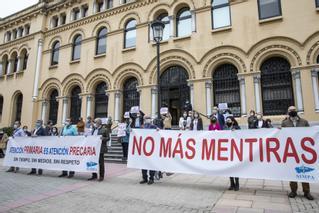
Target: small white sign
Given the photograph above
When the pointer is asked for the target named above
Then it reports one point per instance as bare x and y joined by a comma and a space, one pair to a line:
135, 109
223, 106
127, 115
121, 131
164, 110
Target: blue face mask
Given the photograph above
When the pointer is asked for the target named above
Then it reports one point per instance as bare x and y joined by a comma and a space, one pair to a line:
38, 125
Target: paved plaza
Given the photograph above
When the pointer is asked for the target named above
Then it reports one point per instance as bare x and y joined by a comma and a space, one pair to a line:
121, 192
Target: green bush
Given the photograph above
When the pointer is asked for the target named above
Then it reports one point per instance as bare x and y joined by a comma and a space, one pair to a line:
8, 130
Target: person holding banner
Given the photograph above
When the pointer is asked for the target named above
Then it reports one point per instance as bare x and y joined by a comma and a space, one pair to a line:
149, 180
105, 137
293, 120
167, 121
231, 124
68, 130
252, 119
183, 121
38, 131
214, 125
219, 116
260, 122
125, 140
18, 132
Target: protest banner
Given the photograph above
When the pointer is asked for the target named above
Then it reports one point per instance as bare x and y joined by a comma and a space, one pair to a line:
73, 153
121, 130
135, 109
277, 154
163, 110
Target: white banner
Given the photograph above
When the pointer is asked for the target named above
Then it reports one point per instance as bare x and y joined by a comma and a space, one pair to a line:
288, 154
77, 153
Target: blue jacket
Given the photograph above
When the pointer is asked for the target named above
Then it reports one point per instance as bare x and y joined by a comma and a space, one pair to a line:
69, 131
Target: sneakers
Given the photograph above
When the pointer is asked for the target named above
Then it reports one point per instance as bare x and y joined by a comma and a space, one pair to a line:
92, 178
309, 196
143, 182
63, 175
150, 182
292, 194
71, 176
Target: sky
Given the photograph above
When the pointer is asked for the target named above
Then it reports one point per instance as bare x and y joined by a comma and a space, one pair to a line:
9, 7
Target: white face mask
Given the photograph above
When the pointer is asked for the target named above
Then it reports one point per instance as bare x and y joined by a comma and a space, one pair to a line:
15, 126
66, 123
148, 121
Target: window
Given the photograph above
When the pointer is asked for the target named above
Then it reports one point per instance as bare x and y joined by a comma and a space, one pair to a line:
76, 14
55, 22
174, 91
109, 4
20, 32
76, 50
131, 96
8, 36
62, 18
53, 106
269, 8
130, 34
55, 53
27, 29
18, 107
317, 3
24, 58
5, 64
101, 101
184, 22
226, 88
318, 59
276, 86
221, 13
15, 60
1, 107
85, 10
101, 41
76, 103
14, 34
165, 19
99, 5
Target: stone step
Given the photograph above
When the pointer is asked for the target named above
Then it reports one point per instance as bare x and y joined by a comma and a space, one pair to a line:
114, 155
114, 160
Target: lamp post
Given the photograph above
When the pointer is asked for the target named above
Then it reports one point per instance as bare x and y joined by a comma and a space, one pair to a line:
158, 29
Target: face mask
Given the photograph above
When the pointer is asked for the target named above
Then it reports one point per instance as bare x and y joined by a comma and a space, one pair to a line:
147, 121
54, 130
196, 116
38, 125
292, 113
25, 130
214, 121
252, 114
229, 124
15, 126
185, 115
259, 117
66, 123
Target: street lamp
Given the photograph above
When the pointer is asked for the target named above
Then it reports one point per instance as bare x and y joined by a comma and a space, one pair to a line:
158, 29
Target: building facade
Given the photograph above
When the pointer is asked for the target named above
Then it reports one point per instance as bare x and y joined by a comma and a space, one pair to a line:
74, 58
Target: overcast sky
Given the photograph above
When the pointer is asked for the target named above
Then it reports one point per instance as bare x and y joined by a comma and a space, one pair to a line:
9, 7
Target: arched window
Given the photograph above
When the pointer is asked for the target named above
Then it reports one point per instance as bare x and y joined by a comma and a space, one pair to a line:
53, 106
101, 101
18, 107
165, 19
1, 107
101, 41
24, 57
226, 87
220, 13
14, 59
183, 22
76, 49
76, 104
318, 59
130, 94
5, 64
55, 53
276, 86
174, 91
130, 34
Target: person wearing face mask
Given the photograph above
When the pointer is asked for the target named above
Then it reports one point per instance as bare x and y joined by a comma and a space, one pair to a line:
80, 126
138, 120
197, 122
68, 130
149, 179
252, 119
167, 121
231, 124
214, 125
38, 131
219, 116
293, 120
183, 121
26, 131
18, 132
54, 131
105, 137
48, 127
260, 122
125, 140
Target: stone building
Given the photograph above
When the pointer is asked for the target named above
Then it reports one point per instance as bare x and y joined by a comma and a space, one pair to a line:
74, 58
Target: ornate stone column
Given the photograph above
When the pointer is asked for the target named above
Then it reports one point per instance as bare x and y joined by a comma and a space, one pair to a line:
117, 110
314, 78
297, 80
154, 102
191, 88
65, 109
242, 85
37, 70
44, 111
208, 86
257, 92
193, 20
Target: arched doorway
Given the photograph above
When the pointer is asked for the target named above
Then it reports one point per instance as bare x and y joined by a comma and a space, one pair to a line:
226, 87
101, 101
174, 91
18, 107
76, 104
276, 86
130, 94
53, 106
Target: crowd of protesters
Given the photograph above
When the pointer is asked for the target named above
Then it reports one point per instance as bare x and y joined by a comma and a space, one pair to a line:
189, 121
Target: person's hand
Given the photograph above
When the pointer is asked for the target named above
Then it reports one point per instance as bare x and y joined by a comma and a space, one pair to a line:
34, 136
279, 127
157, 129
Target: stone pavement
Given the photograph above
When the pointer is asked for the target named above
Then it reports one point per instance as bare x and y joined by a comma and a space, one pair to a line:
121, 192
